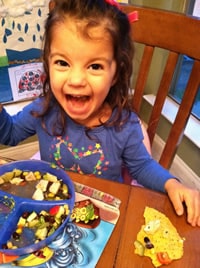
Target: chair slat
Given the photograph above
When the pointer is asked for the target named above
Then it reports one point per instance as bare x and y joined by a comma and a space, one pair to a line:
182, 116
142, 77
162, 94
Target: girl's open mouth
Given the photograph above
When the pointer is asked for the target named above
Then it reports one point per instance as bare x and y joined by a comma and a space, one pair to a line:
77, 99
78, 105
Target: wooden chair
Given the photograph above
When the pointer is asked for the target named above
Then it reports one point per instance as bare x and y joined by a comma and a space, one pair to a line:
179, 35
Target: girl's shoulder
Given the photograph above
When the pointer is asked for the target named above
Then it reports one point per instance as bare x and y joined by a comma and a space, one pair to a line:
129, 118
130, 125
36, 103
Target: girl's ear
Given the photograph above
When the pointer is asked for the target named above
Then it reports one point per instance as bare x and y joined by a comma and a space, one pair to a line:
52, 4
114, 80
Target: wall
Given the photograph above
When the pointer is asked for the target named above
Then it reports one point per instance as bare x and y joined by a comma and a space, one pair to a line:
196, 11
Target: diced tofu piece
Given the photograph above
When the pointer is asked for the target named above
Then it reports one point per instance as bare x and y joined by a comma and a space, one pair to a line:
38, 195
65, 189
60, 212
42, 185
54, 187
50, 177
30, 176
9, 245
16, 181
41, 233
32, 216
43, 212
21, 222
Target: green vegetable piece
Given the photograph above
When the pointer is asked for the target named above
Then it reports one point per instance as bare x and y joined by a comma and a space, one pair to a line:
33, 223
89, 212
42, 225
41, 219
140, 248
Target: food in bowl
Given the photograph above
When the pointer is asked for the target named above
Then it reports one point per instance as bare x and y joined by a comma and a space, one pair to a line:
57, 192
38, 225
37, 185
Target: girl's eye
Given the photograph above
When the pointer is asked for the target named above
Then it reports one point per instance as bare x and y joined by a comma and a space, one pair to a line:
62, 63
96, 66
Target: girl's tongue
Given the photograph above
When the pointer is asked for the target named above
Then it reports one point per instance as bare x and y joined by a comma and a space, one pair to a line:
77, 101
78, 104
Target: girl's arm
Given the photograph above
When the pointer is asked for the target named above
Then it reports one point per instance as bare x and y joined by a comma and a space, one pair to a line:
18, 127
146, 140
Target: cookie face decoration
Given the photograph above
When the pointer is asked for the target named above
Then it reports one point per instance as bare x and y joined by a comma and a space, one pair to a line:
86, 214
158, 239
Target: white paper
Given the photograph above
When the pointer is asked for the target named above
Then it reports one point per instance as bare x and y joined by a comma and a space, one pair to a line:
26, 80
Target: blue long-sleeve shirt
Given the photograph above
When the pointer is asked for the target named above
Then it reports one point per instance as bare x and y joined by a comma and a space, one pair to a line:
100, 154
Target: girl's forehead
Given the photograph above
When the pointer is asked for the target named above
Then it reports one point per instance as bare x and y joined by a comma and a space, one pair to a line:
75, 36
92, 29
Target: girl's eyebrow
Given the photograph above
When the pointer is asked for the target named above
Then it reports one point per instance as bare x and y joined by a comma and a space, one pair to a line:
102, 59
57, 54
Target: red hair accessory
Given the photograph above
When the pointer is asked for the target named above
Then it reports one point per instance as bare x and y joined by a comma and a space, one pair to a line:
113, 3
133, 16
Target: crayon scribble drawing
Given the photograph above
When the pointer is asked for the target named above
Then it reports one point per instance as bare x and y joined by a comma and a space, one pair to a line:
26, 80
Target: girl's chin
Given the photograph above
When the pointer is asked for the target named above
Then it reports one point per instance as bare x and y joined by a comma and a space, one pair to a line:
78, 115
87, 122
83, 118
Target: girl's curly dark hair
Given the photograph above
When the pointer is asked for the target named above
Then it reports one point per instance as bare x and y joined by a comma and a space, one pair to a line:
94, 12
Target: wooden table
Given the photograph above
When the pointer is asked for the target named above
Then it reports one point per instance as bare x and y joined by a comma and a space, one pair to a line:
139, 198
119, 251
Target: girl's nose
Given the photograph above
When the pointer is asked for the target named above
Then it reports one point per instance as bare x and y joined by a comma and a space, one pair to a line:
76, 77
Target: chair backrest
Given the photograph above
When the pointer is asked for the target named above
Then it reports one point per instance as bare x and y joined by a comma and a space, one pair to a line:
180, 35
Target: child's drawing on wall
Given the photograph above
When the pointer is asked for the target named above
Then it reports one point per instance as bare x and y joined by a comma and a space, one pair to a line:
26, 80
21, 33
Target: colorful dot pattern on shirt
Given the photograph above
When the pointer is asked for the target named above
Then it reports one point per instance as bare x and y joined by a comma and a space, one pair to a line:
78, 156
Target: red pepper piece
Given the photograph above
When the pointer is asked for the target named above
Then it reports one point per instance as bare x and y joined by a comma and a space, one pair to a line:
54, 210
163, 258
